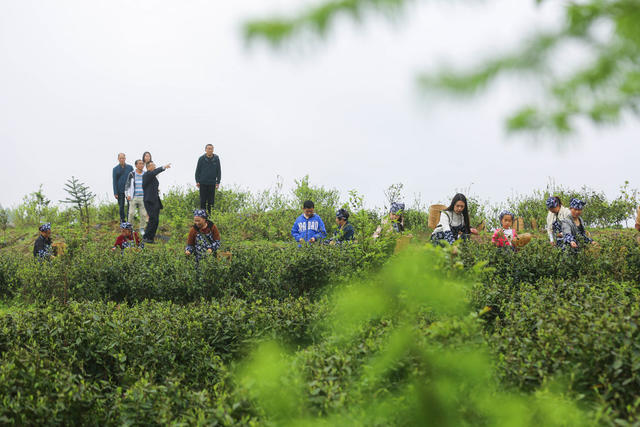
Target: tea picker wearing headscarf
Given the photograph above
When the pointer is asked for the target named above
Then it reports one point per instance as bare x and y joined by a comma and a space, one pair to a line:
127, 238
505, 236
42, 249
394, 222
574, 234
557, 213
345, 231
204, 237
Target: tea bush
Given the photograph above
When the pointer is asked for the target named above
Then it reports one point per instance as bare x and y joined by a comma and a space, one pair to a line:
71, 364
585, 333
617, 256
255, 271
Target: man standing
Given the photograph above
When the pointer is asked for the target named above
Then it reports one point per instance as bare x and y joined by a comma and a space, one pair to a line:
152, 202
135, 195
120, 174
208, 178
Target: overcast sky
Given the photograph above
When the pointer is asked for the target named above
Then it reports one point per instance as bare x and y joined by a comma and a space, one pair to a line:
81, 80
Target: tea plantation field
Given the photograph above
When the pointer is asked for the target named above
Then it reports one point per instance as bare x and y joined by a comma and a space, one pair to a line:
322, 335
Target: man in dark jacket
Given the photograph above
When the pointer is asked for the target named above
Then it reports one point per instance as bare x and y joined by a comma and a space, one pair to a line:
152, 202
120, 174
208, 178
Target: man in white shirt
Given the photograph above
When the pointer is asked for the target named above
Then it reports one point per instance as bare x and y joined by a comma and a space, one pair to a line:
135, 195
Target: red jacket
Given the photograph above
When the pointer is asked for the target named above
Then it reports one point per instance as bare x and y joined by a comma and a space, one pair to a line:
123, 242
501, 240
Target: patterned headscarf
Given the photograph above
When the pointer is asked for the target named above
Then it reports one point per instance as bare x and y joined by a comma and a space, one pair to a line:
577, 204
396, 207
45, 227
126, 226
201, 213
505, 213
342, 214
552, 202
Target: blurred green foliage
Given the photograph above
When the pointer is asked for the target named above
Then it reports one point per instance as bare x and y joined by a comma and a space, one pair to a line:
601, 89
414, 369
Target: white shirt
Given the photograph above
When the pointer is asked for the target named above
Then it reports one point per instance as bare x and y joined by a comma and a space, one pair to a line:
563, 213
449, 219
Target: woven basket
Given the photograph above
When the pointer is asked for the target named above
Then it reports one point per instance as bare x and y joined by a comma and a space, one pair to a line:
59, 248
434, 215
522, 240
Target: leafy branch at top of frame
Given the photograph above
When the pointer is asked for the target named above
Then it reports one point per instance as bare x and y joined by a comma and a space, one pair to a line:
317, 19
601, 90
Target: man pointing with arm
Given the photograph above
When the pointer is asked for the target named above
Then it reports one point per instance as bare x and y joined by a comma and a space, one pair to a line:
152, 202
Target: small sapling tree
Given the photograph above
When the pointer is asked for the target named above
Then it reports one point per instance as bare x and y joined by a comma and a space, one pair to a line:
79, 196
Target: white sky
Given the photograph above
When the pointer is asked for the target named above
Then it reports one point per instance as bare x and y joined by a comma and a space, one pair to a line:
83, 80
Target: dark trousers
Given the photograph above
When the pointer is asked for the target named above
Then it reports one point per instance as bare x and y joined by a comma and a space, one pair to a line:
207, 197
153, 210
124, 214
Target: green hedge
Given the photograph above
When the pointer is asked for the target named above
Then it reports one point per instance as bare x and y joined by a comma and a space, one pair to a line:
255, 271
618, 257
89, 363
585, 334
570, 318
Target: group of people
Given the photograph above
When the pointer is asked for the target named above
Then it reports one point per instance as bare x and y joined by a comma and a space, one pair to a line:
137, 190
204, 237
309, 228
565, 226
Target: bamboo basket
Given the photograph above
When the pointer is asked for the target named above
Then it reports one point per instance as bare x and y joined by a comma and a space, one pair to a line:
59, 248
434, 215
522, 240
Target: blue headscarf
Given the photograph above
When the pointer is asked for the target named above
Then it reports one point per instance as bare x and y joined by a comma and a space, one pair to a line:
201, 213
552, 202
396, 207
342, 214
577, 204
506, 212
45, 227
126, 226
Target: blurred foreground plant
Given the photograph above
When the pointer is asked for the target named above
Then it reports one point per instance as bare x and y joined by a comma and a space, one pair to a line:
436, 373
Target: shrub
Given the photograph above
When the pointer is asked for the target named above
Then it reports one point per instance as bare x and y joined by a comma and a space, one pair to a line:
585, 333
91, 272
97, 363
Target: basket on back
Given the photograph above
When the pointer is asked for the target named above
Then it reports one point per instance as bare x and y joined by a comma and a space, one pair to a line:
434, 215
522, 240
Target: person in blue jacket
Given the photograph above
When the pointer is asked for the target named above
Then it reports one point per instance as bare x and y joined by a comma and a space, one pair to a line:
308, 227
120, 173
